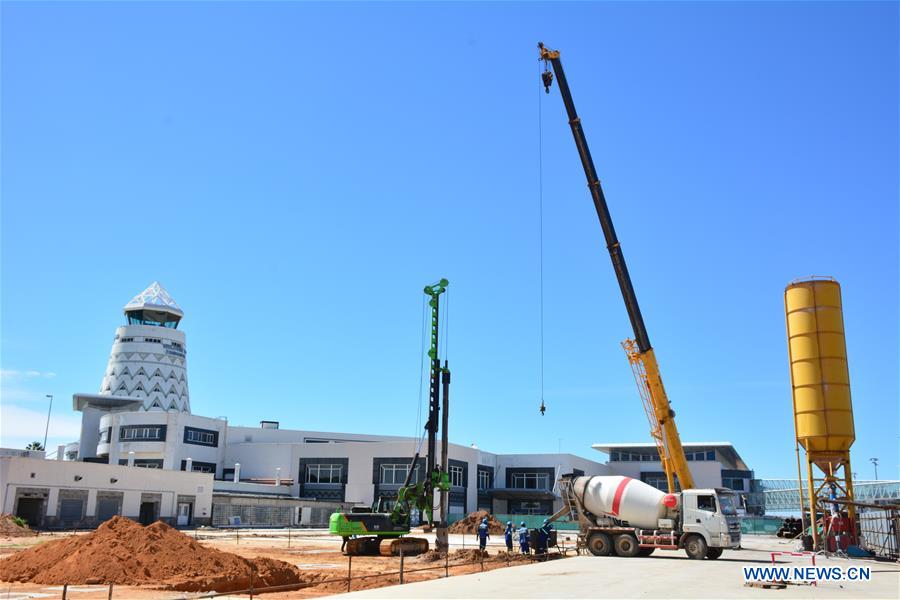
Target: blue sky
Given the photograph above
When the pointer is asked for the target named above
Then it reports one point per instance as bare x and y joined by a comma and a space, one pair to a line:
295, 173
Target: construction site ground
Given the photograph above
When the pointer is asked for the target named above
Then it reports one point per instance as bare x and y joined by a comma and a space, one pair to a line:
666, 574
311, 550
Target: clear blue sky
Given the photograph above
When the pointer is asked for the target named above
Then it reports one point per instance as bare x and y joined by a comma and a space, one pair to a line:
294, 174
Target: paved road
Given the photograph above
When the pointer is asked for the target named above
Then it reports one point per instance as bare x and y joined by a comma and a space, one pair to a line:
663, 575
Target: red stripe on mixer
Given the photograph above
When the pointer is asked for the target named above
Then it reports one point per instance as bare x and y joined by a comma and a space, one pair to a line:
618, 497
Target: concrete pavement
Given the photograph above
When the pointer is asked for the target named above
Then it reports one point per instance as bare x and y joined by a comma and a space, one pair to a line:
666, 574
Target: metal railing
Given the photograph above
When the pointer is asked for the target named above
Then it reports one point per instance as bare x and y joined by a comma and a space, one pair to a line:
483, 562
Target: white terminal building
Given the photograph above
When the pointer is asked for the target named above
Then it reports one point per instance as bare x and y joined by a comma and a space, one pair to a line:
267, 476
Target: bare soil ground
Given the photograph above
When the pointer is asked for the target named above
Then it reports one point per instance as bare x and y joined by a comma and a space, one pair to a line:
314, 552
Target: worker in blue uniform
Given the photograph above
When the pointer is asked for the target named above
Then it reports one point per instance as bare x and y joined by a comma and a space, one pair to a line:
544, 536
509, 536
483, 533
523, 538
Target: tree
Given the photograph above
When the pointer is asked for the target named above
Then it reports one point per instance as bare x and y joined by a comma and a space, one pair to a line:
34, 446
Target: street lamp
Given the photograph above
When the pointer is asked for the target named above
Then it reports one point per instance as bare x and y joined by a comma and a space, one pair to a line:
47, 428
874, 462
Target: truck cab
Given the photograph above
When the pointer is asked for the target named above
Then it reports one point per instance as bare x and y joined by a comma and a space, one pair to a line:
711, 514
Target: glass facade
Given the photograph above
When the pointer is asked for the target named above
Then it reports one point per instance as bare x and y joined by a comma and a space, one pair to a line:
156, 318
622, 456
456, 476
395, 474
324, 473
531, 481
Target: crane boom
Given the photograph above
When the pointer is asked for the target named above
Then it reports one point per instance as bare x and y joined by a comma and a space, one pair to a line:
640, 354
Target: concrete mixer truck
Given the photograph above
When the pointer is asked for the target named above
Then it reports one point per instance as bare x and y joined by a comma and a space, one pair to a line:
624, 516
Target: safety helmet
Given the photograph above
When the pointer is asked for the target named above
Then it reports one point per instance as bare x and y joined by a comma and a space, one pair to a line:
484, 519
509, 522
523, 523
546, 521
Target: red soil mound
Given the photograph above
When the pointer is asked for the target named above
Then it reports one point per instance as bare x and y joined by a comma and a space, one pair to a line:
473, 520
122, 551
9, 528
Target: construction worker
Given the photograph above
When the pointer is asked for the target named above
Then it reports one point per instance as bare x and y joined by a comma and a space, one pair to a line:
523, 538
483, 533
544, 536
509, 536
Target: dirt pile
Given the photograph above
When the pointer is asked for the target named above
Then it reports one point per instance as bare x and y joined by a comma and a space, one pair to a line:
512, 556
431, 556
473, 520
469, 555
9, 527
122, 551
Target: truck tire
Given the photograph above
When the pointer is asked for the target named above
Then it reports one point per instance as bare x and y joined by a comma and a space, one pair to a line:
696, 547
626, 545
713, 553
599, 544
646, 551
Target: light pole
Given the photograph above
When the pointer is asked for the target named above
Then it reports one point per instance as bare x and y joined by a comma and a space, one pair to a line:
47, 428
874, 462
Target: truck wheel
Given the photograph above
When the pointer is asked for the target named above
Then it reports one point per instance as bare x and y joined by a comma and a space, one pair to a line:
646, 551
627, 545
713, 553
696, 547
599, 544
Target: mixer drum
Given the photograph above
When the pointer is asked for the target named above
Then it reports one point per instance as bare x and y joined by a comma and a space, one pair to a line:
623, 498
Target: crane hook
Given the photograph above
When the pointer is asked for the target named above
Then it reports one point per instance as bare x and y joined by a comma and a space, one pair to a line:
547, 77
543, 408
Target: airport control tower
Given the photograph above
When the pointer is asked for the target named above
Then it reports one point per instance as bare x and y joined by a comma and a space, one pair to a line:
148, 357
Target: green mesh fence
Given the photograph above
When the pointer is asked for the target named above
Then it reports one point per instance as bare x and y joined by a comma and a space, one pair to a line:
749, 525
531, 521
760, 525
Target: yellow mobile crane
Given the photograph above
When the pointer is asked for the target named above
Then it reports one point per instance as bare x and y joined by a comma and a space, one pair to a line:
640, 352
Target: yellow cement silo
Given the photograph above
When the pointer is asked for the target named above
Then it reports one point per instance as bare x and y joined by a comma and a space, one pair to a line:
820, 381
819, 373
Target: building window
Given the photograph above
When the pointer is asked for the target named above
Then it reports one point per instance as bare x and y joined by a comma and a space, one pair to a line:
201, 437
484, 480
456, 476
660, 483
531, 481
395, 474
325, 473
148, 463
702, 455
658, 480
526, 507
156, 433
199, 467
126, 339
733, 483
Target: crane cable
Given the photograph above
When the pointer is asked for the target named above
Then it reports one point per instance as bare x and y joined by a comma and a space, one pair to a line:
541, 220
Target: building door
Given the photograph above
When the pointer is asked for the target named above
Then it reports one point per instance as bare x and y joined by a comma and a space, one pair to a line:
107, 508
32, 510
148, 513
184, 514
71, 511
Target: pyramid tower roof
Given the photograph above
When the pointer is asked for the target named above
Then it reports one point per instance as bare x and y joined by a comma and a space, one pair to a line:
155, 297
